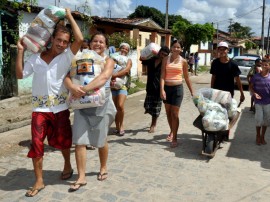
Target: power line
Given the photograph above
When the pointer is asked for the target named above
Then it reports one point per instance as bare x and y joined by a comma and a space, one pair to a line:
239, 16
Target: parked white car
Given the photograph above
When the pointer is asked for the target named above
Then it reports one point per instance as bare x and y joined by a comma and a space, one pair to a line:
244, 63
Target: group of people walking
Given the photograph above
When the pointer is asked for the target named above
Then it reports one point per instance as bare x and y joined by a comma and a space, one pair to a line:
52, 83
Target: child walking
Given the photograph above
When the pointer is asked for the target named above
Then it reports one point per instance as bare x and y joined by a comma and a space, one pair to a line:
260, 88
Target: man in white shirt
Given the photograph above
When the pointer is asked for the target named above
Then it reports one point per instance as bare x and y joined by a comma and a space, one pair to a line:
50, 117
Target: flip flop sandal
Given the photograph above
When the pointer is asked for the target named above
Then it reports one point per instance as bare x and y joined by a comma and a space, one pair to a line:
122, 133
30, 192
102, 176
66, 176
77, 188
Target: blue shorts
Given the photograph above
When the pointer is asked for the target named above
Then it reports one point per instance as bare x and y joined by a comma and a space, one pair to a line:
174, 95
118, 92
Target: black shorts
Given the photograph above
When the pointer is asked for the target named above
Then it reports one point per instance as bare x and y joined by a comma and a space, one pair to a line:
174, 95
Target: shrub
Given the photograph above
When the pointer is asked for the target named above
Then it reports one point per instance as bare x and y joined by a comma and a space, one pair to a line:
117, 38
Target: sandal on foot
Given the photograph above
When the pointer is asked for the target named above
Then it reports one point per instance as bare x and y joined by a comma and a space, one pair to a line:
121, 133
66, 176
102, 176
72, 189
169, 138
174, 144
32, 192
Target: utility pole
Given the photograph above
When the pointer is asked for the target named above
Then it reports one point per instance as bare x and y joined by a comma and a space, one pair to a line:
267, 47
166, 19
262, 35
109, 10
217, 32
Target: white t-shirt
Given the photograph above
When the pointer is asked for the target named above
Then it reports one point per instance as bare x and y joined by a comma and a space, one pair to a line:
48, 91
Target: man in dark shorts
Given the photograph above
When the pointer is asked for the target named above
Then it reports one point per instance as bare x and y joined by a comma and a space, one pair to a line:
50, 117
153, 102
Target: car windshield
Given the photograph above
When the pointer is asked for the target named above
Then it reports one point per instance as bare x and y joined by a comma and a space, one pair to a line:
245, 62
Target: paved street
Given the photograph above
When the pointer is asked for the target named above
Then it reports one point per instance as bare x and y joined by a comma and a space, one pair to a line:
143, 168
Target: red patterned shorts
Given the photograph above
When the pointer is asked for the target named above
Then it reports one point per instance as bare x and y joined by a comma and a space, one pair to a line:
56, 127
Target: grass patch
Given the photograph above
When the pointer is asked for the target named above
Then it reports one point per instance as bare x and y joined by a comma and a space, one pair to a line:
136, 86
203, 69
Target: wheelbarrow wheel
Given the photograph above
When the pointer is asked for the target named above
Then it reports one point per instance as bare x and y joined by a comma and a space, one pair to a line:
209, 147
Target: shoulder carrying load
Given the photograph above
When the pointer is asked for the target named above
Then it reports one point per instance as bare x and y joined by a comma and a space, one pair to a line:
41, 28
85, 67
149, 51
121, 63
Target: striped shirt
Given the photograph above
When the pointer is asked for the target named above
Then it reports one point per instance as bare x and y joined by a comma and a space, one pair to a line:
174, 70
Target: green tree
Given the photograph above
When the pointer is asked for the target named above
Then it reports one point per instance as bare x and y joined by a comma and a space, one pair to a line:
192, 34
149, 12
239, 31
117, 38
157, 16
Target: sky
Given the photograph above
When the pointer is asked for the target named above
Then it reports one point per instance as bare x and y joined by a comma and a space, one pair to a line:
220, 12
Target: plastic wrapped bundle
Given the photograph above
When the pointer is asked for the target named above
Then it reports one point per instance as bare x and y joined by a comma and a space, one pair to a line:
119, 59
215, 120
233, 108
85, 67
222, 97
121, 63
41, 28
149, 51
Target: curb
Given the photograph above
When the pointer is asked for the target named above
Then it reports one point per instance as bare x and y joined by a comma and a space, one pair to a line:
26, 99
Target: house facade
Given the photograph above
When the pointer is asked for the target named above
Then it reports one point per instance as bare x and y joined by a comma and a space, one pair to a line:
143, 31
208, 51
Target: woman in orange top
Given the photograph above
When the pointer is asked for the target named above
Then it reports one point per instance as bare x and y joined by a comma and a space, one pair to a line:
171, 87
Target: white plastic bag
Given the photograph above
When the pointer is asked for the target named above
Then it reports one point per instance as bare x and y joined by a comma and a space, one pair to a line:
41, 28
149, 51
121, 63
85, 67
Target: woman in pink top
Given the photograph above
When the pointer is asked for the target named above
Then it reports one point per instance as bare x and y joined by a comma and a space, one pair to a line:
171, 87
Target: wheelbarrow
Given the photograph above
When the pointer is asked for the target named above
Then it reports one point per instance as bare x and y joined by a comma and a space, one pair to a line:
211, 140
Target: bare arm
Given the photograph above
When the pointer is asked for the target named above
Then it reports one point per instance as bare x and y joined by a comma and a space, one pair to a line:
101, 79
239, 85
76, 90
162, 78
213, 79
124, 71
78, 37
251, 88
19, 60
185, 73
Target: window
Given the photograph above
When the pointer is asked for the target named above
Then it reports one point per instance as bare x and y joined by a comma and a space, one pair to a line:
162, 41
140, 40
